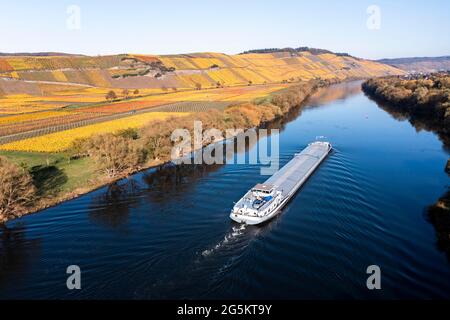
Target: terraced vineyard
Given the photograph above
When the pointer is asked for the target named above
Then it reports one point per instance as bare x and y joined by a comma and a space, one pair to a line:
188, 71
17, 128
120, 107
194, 106
62, 139
64, 119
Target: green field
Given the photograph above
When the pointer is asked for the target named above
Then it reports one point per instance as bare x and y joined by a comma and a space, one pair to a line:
53, 173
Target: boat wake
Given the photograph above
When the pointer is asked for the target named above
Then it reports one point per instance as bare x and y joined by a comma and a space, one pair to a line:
231, 236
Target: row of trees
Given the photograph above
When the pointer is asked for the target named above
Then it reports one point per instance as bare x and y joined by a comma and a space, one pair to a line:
315, 51
112, 95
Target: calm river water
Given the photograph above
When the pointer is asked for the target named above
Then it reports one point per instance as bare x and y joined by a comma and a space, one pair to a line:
167, 234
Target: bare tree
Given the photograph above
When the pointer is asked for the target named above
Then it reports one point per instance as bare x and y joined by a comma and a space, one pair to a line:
17, 191
125, 93
115, 154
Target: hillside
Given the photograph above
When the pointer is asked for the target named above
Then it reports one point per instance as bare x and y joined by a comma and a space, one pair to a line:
420, 64
27, 74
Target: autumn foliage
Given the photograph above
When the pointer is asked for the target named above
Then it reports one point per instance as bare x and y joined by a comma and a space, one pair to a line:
114, 154
426, 96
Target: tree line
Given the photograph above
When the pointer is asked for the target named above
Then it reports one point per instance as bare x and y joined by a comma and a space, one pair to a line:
419, 95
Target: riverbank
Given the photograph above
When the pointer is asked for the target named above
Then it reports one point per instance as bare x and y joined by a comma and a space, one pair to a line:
425, 103
63, 177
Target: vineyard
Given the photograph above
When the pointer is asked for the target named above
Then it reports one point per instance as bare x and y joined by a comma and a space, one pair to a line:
58, 62
10, 129
187, 71
26, 124
55, 97
18, 104
194, 106
8, 120
48, 101
120, 107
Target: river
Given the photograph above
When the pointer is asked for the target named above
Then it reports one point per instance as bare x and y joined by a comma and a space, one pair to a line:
166, 233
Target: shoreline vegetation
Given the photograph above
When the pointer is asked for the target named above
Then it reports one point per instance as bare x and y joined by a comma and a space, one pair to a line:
425, 102
424, 98
106, 158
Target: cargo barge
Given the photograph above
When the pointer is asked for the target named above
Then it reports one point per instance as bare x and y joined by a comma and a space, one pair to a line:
265, 201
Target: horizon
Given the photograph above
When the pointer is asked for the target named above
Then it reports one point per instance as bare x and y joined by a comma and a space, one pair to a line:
54, 53
370, 30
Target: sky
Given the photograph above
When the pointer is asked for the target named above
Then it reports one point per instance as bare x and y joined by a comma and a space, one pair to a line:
368, 29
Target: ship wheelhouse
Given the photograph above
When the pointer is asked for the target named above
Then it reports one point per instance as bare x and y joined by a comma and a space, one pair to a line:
263, 190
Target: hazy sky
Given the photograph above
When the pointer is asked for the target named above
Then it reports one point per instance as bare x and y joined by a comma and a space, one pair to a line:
406, 28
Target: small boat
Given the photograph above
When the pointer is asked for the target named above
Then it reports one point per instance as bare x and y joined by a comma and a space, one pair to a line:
264, 201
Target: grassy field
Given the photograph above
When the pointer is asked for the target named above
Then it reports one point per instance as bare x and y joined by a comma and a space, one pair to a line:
53, 173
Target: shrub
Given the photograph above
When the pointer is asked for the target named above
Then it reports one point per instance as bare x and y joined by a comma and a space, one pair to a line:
130, 133
114, 154
111, 96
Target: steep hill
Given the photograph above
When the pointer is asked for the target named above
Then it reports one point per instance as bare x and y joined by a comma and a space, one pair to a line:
199, 70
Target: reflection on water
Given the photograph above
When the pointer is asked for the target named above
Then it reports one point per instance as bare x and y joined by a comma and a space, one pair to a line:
17, 254
438, 214
112, 207
439, 217
169, 179
419, 123
340, 91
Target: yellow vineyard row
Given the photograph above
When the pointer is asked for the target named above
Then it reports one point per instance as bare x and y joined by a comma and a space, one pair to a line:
60, 141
